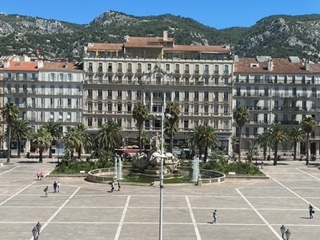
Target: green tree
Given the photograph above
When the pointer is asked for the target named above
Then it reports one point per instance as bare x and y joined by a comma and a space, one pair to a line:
171, 126
309, 126
54, 129
204, 136
10, 115
42, 141
275, 136
296, 134
109, 136
21, 130
140, 114
241, 116
262, 141
77, 138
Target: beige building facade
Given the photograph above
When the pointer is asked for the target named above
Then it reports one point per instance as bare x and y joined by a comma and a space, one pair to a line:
277, 91
147, 70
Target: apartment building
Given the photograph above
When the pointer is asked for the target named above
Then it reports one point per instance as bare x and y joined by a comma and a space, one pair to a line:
44, 91
147, 70
277, 91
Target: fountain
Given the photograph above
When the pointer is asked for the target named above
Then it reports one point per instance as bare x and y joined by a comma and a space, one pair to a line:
195, 173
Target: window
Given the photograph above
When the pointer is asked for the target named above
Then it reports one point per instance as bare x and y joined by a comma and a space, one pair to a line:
226, 69
99, 107
167, 67
61, 77
99, 94
90, 122
215, 124
69, 77
89, 107
89, 93
119, 122
99, 122
109, 107
255, 118
51, 116
176, 95
60, 90
206, 109
247, 132
216, 109
185, 124
51, 102
196, 109
68, 116
225, 96
226, 110
206, 69
129, 107
196, 96
186, 109
109, 94
216, 96
206, 96
149, 66
186, 96
119, 107
52, 77
60, 116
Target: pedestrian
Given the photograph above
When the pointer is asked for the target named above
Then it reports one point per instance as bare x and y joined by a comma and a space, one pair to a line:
55, 186
119, 186
288, 234
112, 186
38, 175
214, 216
58, 186
282, 230
38, 226
41, 175
262, 165
46, 191
311, 211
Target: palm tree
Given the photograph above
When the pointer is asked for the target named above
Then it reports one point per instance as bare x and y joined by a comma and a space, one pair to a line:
309, 126
20, 130
253, 151
10, 115
76, 138
109, 136
275, 136
42, 141
171, 123
144, 137
241, 116
55, 132
204, 136
140, 114
296, 134
262, 141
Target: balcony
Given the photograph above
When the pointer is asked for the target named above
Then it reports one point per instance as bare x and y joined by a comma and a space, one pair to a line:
286, 122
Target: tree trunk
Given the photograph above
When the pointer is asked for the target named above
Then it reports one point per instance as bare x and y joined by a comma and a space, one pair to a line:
171, 142
275, 160
40, 156
9, 143
79, 151
308, 147
240, 128
265, 153
140, 144
205, 154
295, 150
19, 148
50, 151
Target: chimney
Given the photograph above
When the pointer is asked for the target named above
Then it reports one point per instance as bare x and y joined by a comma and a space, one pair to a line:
270, 65
40, 63
6, 63
165, 35
307, 65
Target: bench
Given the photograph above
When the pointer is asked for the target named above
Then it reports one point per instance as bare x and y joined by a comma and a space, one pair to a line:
82, 172
231, 173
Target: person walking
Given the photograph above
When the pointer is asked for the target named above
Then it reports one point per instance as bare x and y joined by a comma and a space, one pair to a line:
58, 186
55, 185
112, 186
282, 230
288, 234
38, 175
311, 211
46, 191
119, 186
214, 216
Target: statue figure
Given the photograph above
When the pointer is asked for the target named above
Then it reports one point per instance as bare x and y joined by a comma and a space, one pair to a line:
156, 143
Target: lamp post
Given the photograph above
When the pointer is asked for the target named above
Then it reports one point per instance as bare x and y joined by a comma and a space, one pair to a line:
161, 172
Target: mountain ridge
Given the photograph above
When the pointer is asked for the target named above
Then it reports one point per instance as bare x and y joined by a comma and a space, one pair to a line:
276, 35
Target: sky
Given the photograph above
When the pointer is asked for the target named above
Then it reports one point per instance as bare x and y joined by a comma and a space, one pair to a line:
218, 14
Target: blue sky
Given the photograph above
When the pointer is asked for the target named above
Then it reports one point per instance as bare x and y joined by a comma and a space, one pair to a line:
214, 13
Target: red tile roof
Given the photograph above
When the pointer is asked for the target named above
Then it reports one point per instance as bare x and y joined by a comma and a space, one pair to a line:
114, 47
23, 66
60, 66
280, 66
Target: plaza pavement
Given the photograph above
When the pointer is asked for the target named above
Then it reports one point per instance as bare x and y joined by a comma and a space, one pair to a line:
247, 209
